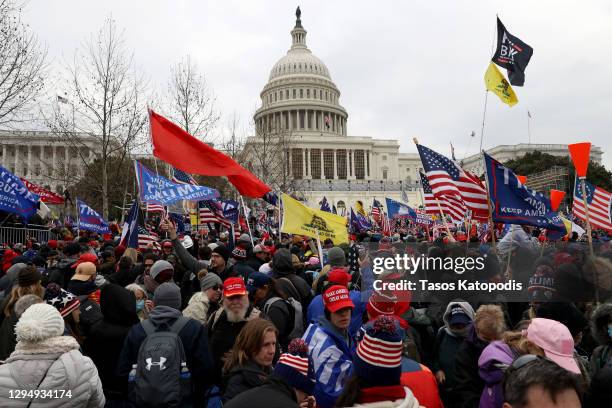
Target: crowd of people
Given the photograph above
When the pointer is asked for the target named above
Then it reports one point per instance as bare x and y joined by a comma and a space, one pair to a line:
271, 322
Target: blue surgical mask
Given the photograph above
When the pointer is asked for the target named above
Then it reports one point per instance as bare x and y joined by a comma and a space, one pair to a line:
139, 305
610, 330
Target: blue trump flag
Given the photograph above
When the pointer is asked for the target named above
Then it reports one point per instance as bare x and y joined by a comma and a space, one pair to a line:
514, 203
400, 210
15, 197
129, 234
154, 188
325, 205
359, 223
90, 220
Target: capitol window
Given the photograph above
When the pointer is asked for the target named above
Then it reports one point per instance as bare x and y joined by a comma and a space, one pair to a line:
384, 174
308, 93
301, 93
287, 94
294, 94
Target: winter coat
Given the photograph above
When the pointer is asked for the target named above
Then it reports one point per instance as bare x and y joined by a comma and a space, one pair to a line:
469, 385
331, 354
9, 279
243, 378
124, 276
299, 285
421, 381
198, 307
394, 396
446, 348
243, 269
281, 316
68, 370
106, 338
190, 263
496, 354
195, 343
602, 355
63, 272
275, 393
316, 308
8, 340
223, 334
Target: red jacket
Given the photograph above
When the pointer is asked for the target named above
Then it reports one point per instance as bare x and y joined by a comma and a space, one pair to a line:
422, 382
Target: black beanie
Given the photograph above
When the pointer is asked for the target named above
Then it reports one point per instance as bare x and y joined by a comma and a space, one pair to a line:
222, 251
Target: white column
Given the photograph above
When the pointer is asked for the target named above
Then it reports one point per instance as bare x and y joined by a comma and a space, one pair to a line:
16, 148
290, 163
30, 172
335, 168
4, 155
348, 174
303, 163
322, 164
290, 120
53, 171
66, 159
353, 163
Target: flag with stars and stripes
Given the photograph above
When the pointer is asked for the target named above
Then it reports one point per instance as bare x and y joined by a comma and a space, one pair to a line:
211, 211
598, 205
179, 176
447, 179
450, 205
146, 239
386, 225
153, 207
376, 211
353, 259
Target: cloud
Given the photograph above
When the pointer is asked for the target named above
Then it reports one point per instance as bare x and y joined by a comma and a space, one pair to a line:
405, 69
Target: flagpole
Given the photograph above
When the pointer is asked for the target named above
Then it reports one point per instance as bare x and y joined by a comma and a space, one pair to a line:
319, 248
529, 126
586, 213
76, 207
484, 110
247, 220
450, 236
491, 225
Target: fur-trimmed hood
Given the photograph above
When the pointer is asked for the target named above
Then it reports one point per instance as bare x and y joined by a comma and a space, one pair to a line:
599, 323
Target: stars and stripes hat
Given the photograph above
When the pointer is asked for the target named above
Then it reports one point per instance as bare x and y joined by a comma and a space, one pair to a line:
295, 367
64, 301
379, 353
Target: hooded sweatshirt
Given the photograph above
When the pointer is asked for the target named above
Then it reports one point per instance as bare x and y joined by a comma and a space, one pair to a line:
106, 338
491, 364
602, 355
447, 344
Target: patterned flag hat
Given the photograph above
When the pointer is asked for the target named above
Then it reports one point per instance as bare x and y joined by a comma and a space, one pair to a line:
64, 301
379, 354
295, 367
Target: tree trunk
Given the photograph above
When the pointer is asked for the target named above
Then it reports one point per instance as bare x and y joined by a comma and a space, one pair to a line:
104, 190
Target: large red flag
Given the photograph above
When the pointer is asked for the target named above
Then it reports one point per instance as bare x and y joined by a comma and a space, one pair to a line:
177, 147
46, 196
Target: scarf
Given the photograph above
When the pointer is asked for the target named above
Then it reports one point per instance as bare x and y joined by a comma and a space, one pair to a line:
386, 393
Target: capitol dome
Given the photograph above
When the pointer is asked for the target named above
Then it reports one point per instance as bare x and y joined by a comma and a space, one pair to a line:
300, 95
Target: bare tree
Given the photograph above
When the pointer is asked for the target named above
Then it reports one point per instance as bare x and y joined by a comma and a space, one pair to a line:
107, 108
267, 155
233, 143
22, 63
189, 101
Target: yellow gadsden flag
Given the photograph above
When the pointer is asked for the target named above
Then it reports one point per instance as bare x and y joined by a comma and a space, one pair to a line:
496, 83
302, 220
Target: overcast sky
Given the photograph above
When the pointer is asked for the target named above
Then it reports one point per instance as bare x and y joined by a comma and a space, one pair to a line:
404, 68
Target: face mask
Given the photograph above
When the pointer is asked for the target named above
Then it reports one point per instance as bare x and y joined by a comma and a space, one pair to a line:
139, 305
610, 330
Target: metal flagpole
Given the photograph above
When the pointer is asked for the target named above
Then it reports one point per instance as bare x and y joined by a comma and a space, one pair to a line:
247, 220
319, 248
484, 110
491, 225
529, 126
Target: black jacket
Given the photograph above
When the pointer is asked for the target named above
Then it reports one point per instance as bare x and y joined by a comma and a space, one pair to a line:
276, 393
281, 315
106, 338
223, 334
195, 343
243, 378
468, 384
7, 331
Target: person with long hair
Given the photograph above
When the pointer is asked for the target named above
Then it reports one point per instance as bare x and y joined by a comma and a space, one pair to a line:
249, 363
28, 283
377, 370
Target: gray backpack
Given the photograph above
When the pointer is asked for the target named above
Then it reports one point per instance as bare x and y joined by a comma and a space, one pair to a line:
298, 316
160, 377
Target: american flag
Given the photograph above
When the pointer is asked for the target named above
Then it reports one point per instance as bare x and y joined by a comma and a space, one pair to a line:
179, 176
212, 211
450, 205
145, 238
376, 211
598, 202
151, 207
386, 226
447, 179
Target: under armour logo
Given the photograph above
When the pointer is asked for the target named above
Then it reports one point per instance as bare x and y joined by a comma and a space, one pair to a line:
161, 362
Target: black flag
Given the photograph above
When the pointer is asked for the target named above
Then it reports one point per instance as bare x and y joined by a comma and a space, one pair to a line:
512, 54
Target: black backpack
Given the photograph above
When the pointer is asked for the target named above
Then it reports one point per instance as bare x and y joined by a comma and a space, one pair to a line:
160, 377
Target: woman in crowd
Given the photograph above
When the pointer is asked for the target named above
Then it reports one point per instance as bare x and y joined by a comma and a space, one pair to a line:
45, 359
206, 301
143, 304
67, 304
601, 328
249, 363
28, 283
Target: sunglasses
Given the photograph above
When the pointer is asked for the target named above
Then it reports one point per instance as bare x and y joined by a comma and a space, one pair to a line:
217, 287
